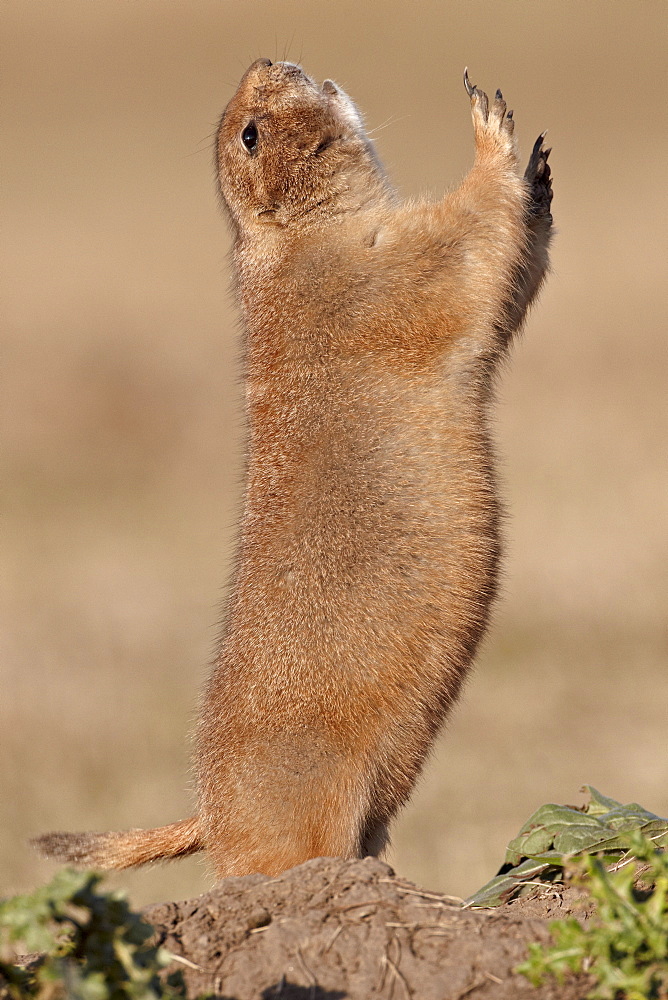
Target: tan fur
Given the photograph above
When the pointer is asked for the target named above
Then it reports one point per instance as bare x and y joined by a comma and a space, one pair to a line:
123, 850
369, 542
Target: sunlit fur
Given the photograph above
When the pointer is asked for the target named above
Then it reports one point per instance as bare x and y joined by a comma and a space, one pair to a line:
369, 542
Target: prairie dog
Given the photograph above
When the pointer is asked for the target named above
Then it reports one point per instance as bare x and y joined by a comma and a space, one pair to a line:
369, 542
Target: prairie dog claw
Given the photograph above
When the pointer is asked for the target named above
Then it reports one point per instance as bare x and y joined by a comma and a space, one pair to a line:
539, 180
470, 87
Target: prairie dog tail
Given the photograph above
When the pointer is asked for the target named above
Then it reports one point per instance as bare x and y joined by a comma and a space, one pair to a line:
123, 850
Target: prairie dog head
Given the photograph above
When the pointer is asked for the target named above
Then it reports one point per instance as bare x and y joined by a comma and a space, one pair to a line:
288, 150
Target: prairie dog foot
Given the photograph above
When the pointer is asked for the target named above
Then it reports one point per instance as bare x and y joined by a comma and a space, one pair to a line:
493, 125
539, 181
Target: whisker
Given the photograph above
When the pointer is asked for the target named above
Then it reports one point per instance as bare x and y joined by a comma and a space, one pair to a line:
392, 120
204, 144
290, 43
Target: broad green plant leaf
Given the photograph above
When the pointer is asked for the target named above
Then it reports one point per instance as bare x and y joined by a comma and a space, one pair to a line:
555, 833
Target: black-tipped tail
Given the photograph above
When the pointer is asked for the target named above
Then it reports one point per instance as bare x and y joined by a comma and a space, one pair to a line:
122, 850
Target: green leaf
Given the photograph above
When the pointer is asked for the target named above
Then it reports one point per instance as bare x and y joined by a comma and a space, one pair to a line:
574, 829
505, 887
95, 947
598, 804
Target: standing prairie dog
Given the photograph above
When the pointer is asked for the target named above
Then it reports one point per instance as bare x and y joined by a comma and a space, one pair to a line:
369, 542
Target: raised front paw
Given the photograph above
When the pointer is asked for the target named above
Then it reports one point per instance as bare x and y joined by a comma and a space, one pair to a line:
493, 126
539, 181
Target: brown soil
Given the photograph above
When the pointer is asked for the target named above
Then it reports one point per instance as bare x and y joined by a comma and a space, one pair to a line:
333, 929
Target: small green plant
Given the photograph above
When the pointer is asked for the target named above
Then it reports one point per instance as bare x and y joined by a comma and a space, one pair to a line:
555, 833
90, 945
624, 948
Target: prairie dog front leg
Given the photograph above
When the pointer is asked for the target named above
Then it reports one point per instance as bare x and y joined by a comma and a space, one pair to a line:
493, 127
490, 148
487, 216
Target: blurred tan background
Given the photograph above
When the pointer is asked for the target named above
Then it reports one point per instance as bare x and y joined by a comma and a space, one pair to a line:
121, 407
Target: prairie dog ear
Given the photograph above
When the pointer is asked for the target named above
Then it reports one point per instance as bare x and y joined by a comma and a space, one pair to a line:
348, 108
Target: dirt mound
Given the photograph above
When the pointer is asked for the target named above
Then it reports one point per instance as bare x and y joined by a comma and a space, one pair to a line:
333, 929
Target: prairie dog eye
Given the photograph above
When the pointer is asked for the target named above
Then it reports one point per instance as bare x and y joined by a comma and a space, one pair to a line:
249, 137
